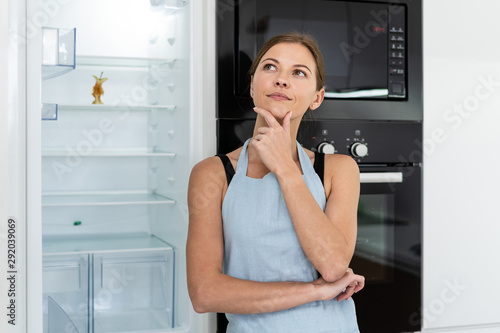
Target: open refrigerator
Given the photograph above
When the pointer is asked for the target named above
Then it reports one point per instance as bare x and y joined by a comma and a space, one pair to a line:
98, 204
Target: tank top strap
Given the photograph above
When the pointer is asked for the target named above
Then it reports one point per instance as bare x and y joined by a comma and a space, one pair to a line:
305, 161
243, 159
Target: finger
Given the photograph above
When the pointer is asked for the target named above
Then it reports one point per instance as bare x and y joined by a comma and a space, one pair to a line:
361, 284
342, 296
348, 292
263, 130
286, 121
268, 117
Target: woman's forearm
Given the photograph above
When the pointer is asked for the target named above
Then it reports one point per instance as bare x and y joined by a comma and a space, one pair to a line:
223, 293
322, 242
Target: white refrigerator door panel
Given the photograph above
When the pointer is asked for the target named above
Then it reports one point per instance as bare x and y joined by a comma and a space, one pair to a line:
13, 170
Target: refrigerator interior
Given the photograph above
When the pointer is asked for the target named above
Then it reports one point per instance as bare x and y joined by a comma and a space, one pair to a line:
114, 175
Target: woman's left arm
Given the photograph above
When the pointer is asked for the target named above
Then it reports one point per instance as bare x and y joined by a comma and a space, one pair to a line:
328, 238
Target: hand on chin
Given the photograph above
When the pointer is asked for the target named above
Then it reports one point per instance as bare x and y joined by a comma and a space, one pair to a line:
278, 112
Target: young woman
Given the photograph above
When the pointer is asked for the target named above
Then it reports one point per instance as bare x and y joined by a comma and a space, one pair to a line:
271, 246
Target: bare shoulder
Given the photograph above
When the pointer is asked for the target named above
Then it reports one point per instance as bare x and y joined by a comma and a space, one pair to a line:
208, 166
341, 165
207, 175
343, 173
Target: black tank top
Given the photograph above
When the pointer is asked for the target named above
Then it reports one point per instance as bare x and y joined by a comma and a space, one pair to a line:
319, 166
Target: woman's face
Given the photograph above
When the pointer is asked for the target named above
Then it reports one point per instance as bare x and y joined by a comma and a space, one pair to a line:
285, 80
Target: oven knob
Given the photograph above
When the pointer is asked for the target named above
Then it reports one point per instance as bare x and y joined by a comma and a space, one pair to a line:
359, 149
326, 148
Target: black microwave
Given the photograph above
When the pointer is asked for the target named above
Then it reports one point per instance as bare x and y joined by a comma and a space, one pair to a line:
372, 51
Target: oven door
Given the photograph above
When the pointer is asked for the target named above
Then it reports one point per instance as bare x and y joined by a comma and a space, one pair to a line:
388, 249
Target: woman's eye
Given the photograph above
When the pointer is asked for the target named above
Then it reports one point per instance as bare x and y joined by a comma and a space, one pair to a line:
269, 67
299, 72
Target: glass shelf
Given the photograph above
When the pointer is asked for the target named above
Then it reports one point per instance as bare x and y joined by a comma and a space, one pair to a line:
170, 4
89, 60
106, 107
50, 110
58, 52
101, 243
111, 152
103, 199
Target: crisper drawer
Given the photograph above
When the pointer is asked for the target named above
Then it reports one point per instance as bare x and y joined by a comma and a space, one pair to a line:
65, 293
133, 290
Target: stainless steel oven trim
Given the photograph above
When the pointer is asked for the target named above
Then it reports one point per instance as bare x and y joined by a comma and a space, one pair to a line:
380, 177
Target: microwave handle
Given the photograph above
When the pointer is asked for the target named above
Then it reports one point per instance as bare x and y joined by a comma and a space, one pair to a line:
380, 177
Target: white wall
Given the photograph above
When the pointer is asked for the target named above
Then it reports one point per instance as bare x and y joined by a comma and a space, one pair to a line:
461, 118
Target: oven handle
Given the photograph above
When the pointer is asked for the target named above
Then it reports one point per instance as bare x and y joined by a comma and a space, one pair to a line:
380, 177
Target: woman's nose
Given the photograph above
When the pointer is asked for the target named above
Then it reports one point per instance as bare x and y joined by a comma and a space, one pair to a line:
281, 82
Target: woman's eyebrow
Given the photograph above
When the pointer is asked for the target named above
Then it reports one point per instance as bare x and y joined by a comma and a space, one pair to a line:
272, 59
304, 67
276, 61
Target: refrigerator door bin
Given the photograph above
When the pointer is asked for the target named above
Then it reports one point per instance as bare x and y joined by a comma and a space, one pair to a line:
133, 291
58, 52
65, 292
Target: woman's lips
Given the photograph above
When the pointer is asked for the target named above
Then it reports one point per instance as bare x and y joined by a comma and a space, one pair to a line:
279, 96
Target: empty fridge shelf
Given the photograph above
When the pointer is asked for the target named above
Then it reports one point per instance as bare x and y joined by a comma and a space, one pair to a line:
109, 152
103, 199
115, 107
135, 242
103, 61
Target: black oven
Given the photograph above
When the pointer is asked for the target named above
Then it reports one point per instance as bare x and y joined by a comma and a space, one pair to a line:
389, 243
372, 51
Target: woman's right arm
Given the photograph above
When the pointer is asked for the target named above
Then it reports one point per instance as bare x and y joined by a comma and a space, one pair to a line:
212, 291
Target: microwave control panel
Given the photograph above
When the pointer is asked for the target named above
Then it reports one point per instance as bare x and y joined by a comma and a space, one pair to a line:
397, 53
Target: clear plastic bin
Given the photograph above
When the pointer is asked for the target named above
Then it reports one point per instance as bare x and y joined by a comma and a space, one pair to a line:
133, 291
65, 293
105, 284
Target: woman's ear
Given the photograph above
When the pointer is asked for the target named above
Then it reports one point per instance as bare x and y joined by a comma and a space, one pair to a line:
318, 99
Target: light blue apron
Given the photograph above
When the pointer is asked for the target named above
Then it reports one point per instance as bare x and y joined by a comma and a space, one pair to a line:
260, 244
